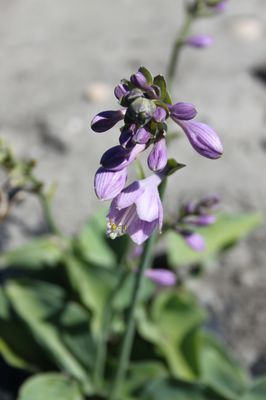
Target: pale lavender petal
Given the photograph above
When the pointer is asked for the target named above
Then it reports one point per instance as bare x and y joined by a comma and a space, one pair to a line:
139, 230
108, 184
160, 114
162, 277
129, 195
199, 41
142, 136
106, 120
157, 159
203, 139
194, 240
183, 111
147, 204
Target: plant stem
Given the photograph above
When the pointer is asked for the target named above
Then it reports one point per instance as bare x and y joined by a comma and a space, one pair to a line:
127, 343
102, 342
172, 65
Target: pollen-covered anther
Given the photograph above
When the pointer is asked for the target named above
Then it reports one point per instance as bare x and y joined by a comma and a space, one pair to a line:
113, 231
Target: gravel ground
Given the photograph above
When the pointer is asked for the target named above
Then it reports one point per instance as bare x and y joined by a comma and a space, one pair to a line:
59, 62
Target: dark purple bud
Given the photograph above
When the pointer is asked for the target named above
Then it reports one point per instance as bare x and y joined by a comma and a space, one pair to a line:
194, 240
210, 202
120, 91
125, 138
139, 80
108, 184
203, 139
161, 277
199, 41
157, 159
160, 114
106, 120
115, 158
142, 136
182, 111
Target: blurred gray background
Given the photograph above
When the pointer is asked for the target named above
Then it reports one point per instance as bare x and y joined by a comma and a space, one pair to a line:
59, 62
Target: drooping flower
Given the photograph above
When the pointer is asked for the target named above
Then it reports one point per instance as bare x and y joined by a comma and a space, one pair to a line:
108, 184
202, 138
161, 277
137, 210
199, 41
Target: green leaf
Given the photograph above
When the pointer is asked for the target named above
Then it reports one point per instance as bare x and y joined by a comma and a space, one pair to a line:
38, 253
226, 231
50, 387
93, 244
172, 316
257, 391
147, 74
174, 389
219, 371
17, 344
160, 81
93, 286
41, 305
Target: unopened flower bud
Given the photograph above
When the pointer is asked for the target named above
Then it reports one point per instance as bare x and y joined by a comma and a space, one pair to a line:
194, 240
200, 220
199, 41
182, 111
161, 277
125, 138
203, 139
159, 114
108, 184
141, 110
142, 136
106, 120
139, 80
120, 91
115, 158
157, 159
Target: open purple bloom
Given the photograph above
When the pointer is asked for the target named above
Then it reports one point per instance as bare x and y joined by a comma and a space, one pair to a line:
117, 157
106, 120
108, 184
199, 41
161, 277
182, 111
137, 210
157, 159
202, 138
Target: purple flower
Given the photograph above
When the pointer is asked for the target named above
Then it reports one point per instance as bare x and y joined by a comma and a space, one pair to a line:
193, 239
120, 91
139, 80
159, 115
108, 184
200, 220
202, 138
199, 41
126, 136
106, 120
142, 136
182, 111
117, 157
220, 7
137, 210
162, 277
157, 159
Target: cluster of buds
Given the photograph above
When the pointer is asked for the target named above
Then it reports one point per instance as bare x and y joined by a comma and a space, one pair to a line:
146, 108
192, 215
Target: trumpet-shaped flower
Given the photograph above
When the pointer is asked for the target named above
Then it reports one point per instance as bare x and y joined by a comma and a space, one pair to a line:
137, 210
